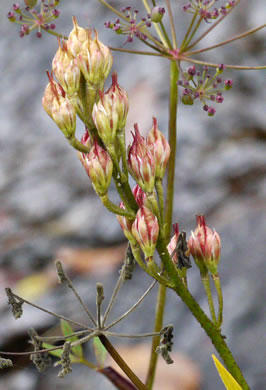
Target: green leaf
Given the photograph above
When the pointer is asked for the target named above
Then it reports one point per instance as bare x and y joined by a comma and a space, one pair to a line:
100, 352
57, 352
67, 330
229, 382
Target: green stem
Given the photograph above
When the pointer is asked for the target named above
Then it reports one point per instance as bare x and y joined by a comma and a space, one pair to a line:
116, 209
172, 24
212, 331
159, 190
121, 363
205, 279
161, 298
212, 65
217, 284
78, 145
157, 28
188, 31
173, 101
193, 32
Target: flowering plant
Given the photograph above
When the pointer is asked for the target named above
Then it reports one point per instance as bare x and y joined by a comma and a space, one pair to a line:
77, 87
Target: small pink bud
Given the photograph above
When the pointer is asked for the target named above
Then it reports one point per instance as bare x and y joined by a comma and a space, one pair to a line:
99, 168
59, 108
145, 229
94, 60
126, 225
159, 148
87, 140
157, 14
141, 162
66, 70
140, 196
173, 243
110, 113
76, 38
205, 247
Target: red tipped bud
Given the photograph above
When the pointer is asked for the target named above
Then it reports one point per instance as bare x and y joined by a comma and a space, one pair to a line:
173, 243
140, 196
59, 108
205, 247
66, 70
99, 167
145, 229
87, 140
141, 162
95, 60
126, 225
110, 113
159, 148
76, 38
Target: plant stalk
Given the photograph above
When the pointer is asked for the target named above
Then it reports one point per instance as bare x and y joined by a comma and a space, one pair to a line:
161, 298
122, 364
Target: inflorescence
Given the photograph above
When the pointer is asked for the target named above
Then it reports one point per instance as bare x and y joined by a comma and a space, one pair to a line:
201, 85
32, 19
133, 27
203, 8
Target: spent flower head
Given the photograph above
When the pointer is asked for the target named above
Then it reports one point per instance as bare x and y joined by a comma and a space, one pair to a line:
31, 18
204, 86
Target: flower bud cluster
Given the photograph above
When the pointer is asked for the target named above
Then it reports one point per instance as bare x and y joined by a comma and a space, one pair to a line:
204, 86
204, 8
30, 18
81, 66
147, 158
132, 28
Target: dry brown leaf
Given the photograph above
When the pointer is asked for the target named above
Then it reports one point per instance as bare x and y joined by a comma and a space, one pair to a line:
94, 260
183, 374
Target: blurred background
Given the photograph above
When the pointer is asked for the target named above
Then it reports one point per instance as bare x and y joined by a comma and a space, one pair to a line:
48, 209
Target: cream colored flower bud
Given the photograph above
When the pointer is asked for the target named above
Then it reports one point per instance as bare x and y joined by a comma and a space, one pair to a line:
77, 37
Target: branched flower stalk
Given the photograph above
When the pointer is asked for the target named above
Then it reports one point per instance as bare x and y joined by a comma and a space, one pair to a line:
76, 87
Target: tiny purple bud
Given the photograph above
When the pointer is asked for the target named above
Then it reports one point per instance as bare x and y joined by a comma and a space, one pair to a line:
228, 84
211, 111
219, 99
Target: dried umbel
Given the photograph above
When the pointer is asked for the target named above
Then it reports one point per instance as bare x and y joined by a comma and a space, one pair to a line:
145, 229
205, 247
110, 113
99, 167
141, 162
159, 148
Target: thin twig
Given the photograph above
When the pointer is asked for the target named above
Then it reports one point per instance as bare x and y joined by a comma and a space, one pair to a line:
141, 52
54, 314
172, 24
131, 336
212, 65
239, 36
118, 285
59, 338
132, 307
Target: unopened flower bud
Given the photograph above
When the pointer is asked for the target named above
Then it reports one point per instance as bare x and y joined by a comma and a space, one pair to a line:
59, 108
110, 113
228, 84
66, 70
126, 226
87, 140
160, 149
145, 229
30, 3
76, 38
95, 60
157, 14
140, 196
205, 247
99, 168
141, 162
187, 99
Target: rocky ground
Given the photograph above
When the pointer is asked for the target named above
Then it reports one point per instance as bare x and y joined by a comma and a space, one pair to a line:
48, 205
